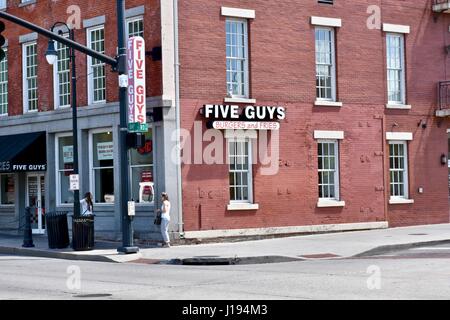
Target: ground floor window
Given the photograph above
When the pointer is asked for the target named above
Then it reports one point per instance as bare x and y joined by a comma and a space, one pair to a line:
240, 172
398, 168
328, 155
7, 189
102, 166
141, 171
64, 167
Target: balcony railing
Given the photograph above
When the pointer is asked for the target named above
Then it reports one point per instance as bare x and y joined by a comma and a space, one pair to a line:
441, 6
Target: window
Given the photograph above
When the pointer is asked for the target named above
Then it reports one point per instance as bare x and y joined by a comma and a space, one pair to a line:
62, 76
96, 68
64, 167
328, 154
325, 64
7, 189
30, 84
3, 4
4, 85
240, 170
135, 27
237, 58
395, 68
398, 168
102, 167
141, 171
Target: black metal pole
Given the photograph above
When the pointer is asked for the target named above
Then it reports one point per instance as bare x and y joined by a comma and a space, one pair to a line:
127, 230
76, 197
28, 232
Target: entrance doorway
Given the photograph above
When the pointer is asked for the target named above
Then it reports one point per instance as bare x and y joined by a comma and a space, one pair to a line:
36, 201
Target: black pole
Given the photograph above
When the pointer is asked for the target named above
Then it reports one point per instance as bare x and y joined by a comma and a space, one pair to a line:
127, 230
28, 232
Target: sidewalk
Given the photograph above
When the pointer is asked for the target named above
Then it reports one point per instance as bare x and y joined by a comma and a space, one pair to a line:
331, 245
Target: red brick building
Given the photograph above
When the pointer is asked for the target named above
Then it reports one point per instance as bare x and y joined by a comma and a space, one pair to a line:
351, 91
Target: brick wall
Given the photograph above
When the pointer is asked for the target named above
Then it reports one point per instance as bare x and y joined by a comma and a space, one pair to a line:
44, 14
282, 72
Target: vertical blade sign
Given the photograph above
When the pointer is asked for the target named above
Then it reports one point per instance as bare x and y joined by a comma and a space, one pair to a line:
136, 81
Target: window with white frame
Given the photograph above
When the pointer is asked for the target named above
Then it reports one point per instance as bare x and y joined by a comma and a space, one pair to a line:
398, 169
64, 168
4, 85
62, 76
30, 84
3, 4
237, 57
102, 166
240, 172
325, 64
328, 156
141, 171
395, 68
135, 27
7, 189
96, 68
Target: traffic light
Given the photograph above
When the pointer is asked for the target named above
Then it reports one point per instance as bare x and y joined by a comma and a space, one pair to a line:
2, 41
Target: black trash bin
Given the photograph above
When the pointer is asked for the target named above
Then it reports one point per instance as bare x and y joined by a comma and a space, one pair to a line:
83, 233
57, 230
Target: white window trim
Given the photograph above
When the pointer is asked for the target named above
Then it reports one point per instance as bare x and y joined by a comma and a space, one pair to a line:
328, 135
399, 136
398, 104
246, 95
91, 165
56, 79
336, 201
24, 78
15, 186
326, 22
5, 49
402, 199
134, 19
57, 170
396, 28
238, 13
90, 76
325, 101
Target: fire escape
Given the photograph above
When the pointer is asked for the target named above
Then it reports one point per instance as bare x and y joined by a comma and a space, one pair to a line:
439, 7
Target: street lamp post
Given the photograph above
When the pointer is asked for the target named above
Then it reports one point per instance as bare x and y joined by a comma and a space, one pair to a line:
52, 57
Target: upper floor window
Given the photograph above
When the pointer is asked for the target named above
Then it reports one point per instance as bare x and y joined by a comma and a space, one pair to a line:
237, 58
395, 68
3, 4
135, 27
62, 76
325, 64
4, 85
30, 83
96, 68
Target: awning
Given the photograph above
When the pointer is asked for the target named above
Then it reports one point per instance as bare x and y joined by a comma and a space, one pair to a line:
23, 152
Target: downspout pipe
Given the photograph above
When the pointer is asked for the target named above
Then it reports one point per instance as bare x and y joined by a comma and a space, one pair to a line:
178, 120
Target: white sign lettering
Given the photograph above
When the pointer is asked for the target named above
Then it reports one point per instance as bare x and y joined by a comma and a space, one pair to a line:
136, 81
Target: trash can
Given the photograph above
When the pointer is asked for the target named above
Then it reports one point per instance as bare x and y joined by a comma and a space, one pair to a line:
83, 233
57, 230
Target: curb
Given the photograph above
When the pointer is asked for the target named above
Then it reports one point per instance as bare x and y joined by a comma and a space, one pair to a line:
54, 255
397, 247
233, 261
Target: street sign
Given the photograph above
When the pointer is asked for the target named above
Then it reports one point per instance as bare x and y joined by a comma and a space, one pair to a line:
137, 112
131, 208
74, 182
138, 127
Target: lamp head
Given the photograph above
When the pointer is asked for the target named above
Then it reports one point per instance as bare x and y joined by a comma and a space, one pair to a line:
51, 54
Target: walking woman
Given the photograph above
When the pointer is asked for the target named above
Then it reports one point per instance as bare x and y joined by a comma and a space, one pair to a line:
87, 206
165, 218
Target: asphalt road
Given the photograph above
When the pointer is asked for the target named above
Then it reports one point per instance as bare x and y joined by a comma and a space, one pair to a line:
421, 273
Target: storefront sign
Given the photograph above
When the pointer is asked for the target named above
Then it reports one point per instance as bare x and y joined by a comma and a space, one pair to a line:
68, 154
249, 117
105, 151
7, 166
137, 117
74, 182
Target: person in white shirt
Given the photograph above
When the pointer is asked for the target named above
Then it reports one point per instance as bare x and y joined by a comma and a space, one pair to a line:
165, 218
87, 206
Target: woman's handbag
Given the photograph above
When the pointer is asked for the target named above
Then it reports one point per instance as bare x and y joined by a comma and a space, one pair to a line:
157, 219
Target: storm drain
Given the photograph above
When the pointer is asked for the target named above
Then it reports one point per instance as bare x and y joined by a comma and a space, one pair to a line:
418, 234
320, 256
93, 296
211, 261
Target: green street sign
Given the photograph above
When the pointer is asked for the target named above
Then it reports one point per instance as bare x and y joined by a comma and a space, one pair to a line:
138, 127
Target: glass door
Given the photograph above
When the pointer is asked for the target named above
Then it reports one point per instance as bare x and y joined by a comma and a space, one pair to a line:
36, 201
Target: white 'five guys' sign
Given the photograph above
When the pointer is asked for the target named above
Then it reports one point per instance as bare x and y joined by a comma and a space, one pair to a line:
136, 80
